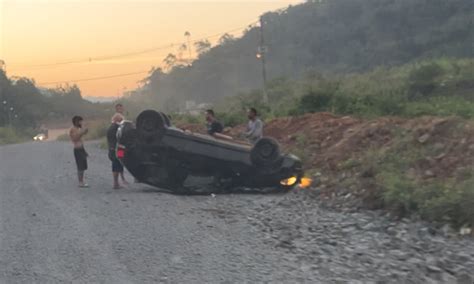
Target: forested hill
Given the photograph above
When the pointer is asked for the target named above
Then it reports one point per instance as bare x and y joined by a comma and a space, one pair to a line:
23, 105
330, 36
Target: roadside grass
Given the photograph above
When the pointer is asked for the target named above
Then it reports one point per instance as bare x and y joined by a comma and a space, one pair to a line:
12, 136
406, 187
437, 200
8, 136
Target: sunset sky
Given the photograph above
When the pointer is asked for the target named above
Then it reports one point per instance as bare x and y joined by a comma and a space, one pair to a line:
35, 35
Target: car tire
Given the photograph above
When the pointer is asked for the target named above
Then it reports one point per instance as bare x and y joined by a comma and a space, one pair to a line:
167, 119
151, 126
265, 153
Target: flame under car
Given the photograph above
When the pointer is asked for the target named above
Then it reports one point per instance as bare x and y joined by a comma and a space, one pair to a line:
161, 155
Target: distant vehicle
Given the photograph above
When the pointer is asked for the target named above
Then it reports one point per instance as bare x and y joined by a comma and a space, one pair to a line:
40, 137
161, 155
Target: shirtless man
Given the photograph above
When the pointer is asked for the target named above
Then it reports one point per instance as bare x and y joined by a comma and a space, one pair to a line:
76, 133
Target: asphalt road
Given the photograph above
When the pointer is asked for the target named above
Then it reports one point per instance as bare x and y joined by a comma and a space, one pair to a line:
51, 231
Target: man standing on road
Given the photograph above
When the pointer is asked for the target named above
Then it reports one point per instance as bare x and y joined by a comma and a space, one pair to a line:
254, 127
119, 109
213, 126
117, 167
76, 133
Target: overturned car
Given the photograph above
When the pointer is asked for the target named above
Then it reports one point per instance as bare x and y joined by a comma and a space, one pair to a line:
161, 155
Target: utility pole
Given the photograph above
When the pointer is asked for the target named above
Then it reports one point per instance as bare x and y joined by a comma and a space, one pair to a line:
5, 110
10, 112
262, 49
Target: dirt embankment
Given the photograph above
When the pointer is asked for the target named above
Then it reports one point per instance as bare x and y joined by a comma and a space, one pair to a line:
326, 142
330, 141
369, 158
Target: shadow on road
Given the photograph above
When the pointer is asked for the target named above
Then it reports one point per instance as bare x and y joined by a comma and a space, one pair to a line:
209, 189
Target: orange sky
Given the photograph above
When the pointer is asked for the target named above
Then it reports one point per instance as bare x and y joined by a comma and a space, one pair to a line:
35, 33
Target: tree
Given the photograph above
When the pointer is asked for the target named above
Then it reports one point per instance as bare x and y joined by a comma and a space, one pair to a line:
202, 46
226, 39
326, 36
170, 61
182, 48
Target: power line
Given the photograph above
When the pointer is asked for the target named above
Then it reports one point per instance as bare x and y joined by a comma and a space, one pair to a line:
94, 78
129, 54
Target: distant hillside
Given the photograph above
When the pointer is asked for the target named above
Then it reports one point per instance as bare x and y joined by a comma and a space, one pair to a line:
100, 99
328, 36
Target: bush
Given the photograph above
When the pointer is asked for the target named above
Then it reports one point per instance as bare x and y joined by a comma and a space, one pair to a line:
231, 119
9, 136
186, 118
318, 98
438, 199
442, 201
441, 87
423, 80
315, 101
441, 106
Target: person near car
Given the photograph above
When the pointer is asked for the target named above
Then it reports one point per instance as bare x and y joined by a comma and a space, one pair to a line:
76, 134
120, 109
254, 127
213, 125
117, 167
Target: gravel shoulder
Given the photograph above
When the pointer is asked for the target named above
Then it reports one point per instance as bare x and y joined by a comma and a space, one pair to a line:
52, 232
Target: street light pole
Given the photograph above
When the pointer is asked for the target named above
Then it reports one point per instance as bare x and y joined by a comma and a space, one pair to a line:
10, 117
262, 54
5, 110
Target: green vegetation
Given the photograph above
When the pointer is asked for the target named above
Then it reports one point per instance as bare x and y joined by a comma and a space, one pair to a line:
10, 136
326, 36
437, 87
409, 181
24, 105
439, 201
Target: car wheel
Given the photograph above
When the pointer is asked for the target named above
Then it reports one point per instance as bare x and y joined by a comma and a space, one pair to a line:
150, 125
167, 119
265, 153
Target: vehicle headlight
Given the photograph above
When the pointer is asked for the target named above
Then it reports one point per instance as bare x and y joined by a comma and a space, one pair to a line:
289, 181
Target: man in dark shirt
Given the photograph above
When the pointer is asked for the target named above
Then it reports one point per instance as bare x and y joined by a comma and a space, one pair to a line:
117, 167
213, 126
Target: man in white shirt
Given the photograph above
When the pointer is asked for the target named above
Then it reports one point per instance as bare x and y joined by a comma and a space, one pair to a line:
254, 127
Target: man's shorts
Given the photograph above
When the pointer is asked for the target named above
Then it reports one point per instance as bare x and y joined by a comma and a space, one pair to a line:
117, 167
81, 159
